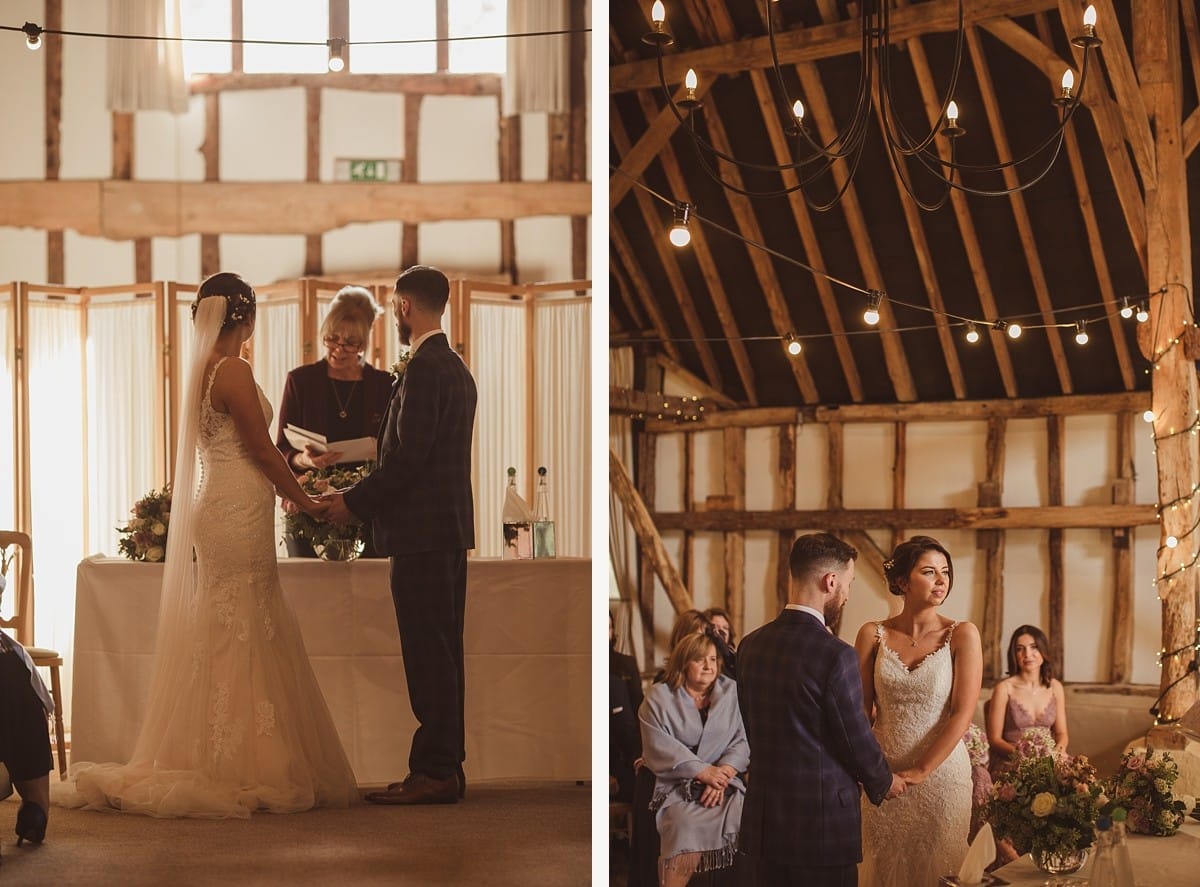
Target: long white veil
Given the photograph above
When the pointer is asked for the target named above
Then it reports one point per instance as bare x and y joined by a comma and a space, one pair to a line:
176, 609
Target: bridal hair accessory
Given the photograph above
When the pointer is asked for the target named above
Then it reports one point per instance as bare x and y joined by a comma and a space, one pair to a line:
888, 564
239, 307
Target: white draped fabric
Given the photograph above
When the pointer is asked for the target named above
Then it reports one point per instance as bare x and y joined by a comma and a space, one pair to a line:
536, 77
145, 75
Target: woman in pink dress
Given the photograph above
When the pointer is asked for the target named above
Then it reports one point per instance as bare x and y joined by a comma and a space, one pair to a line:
1029, 697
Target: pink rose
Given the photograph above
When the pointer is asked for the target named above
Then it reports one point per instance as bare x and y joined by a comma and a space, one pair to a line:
1006, 792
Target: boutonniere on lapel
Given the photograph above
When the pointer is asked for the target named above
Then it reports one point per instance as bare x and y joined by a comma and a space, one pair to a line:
400, 366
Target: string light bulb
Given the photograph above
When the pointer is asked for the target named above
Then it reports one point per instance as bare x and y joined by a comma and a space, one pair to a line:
1014, 331
1172, 542
871, 315
337, 61
1148, 416
1081, 336
792, 344
1126, 308
680, 235
1142, 314
33, 36
972, 333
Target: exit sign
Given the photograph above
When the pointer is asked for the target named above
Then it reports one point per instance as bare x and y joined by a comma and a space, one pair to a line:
366, 169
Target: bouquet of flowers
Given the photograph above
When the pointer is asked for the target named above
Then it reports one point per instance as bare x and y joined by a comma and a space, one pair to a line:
319, 533
146, 532
1035, 742
977, 745
1142, 787
1047, 805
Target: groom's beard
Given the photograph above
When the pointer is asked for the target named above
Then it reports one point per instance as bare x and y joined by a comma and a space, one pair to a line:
405, 332
832, 612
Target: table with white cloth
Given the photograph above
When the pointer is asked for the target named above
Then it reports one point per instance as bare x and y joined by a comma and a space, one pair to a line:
527, 649
1157, 862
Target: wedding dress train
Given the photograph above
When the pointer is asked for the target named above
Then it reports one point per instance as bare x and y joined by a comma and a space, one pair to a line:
921, 835
236, 722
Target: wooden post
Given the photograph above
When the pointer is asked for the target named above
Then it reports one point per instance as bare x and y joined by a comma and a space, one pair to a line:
689, 504
835, 466
645, 454
1122, 616
735, 541
991, 542
899, 475
1174, 399
313, 257
210, 244
1055, 463
787, 488
409, 251
52, 51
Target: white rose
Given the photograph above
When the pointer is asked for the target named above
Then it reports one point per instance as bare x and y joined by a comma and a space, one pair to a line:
155, 553
1043, 804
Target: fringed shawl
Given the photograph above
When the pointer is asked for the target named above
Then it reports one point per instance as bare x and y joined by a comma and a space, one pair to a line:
677, 746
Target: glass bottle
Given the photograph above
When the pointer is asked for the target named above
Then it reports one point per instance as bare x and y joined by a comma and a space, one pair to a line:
543, 527
518, 522
1124, 865
1104, 866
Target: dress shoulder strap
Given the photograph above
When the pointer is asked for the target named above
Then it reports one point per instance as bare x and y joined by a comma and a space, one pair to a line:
950, 631
878, 632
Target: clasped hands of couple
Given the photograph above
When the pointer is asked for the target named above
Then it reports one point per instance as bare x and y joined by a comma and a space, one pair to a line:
901, 781
327, 506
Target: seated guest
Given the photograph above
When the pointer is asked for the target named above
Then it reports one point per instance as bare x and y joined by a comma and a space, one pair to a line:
1029, 697
25, 738
694, 743
721, 629
624, 737
340, 396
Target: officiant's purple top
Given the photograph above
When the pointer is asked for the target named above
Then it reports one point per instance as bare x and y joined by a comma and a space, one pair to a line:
308, 401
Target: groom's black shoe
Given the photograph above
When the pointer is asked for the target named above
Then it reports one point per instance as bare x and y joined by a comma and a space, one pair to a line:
462, 785
417, 788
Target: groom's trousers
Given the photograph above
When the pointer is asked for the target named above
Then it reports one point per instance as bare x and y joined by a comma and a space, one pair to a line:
429, 589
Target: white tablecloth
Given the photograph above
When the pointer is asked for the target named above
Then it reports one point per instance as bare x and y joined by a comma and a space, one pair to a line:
1157, 862
528, 662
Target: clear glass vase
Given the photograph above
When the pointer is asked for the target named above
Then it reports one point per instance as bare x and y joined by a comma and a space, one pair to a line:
1059, 861
339, 549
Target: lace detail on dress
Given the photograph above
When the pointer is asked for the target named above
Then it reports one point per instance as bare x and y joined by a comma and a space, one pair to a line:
264, 718
930, 820
226, 735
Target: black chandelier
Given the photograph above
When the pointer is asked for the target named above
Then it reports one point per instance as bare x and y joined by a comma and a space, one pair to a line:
812, 159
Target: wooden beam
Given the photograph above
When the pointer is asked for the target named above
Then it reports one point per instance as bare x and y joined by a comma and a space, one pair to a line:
1124, 81
645, 466
689, 502
52, 53
1041, 517
707, 264
407, 84
314, 265
510, 171
409, 232
735, 541
637, 158
625, 401
835, 474
1033, 262
812, 44
641, 287
648, 538
992, 543
125, 210
668, 256
1122, 615
442, 19
935, 411
694, 382
1055, 487
899, 475
786, 485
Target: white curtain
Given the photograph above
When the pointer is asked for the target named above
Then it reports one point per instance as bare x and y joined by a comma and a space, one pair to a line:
56, 435
562, 384
145, 75
499, 365
536, 78
276, 345
121, 382
7, 468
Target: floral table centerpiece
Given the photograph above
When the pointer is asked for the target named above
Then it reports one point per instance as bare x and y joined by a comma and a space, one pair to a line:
1142, 787
145, 534
1047, 805
330, 540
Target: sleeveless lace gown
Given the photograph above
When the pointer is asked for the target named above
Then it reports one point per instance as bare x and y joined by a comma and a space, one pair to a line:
246, 728
922, 835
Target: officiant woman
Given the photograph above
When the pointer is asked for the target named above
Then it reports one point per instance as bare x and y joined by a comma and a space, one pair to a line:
340, 396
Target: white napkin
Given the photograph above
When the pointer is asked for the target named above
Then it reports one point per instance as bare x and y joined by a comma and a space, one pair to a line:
979, 856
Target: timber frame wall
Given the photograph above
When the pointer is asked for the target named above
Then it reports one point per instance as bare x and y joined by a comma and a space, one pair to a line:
123, 208
990, 520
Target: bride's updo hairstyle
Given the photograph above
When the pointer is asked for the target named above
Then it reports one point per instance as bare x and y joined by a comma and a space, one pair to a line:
905, 557
239, 295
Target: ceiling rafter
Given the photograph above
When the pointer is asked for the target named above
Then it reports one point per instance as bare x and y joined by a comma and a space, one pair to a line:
1020, 211
642, 287
1124, 82
708, 266
625, 289
812, 44
667, 255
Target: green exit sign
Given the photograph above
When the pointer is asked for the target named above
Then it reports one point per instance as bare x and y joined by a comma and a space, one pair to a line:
366, 169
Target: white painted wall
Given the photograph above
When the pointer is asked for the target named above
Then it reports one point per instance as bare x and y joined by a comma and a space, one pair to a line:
945, 462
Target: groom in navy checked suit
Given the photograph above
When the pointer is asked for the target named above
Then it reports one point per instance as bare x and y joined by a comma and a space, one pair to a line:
811, 747
420, 508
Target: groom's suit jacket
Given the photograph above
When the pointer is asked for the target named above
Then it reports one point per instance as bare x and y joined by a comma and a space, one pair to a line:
419, 497
810, 745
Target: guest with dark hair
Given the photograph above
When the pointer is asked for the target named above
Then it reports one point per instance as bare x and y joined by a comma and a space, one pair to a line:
1030, 696
25, 739
694, 743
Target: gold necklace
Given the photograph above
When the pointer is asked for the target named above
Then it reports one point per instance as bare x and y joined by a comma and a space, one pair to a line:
343, 407
915, 641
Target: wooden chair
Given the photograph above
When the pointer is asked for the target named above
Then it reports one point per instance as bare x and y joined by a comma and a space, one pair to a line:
21, 594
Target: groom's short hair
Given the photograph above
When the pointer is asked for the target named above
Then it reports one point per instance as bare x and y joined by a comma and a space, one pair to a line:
425, 285
819, 553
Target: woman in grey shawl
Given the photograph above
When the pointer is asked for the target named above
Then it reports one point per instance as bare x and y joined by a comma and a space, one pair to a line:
694, 743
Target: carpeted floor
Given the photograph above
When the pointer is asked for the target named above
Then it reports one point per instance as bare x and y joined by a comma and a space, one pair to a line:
525, 834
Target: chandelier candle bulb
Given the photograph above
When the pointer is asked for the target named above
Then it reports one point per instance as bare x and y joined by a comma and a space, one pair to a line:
798, 110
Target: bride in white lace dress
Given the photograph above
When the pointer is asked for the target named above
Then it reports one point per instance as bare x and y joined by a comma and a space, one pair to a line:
921, 676
235, 721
